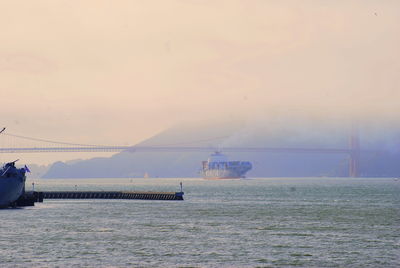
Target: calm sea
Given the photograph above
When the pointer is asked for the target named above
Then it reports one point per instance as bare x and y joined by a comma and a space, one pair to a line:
265, 222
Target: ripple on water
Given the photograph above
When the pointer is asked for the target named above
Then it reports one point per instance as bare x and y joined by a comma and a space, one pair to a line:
252, 223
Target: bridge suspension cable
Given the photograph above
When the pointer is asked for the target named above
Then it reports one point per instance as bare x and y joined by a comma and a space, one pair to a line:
48, 141
61, 146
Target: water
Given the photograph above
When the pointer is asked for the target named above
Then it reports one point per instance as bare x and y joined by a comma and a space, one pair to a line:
310, 222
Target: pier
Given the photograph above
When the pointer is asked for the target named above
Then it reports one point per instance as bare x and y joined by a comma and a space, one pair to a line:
113, 195
30, 198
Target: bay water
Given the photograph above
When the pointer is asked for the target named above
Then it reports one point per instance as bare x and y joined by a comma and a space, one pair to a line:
259, 222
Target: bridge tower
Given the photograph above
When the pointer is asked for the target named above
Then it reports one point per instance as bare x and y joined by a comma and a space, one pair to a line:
354, 162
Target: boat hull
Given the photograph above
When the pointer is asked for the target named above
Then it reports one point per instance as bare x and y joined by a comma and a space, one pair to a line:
12, 184
10, 190
223, 178
222, 172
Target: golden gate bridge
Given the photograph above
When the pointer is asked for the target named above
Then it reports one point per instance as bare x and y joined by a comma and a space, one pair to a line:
49, 146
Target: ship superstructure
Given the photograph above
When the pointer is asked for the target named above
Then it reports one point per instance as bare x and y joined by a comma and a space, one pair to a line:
12, 184
218, 167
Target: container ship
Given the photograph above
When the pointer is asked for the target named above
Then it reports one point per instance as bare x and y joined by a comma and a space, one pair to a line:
218, 167
12, 184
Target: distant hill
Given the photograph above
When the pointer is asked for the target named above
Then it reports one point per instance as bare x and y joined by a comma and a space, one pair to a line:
219, 135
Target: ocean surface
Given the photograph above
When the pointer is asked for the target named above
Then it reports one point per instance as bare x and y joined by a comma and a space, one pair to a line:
262, 222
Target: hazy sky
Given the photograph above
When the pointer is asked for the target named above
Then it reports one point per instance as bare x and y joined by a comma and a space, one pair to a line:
116, 72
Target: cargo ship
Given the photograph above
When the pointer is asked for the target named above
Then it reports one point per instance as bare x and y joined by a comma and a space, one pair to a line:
218, 167
12, 184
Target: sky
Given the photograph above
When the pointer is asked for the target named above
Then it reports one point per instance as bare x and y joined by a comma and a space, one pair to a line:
118, 72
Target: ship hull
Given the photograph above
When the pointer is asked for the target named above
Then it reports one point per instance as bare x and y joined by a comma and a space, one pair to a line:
223, 178
10, 190
219, 174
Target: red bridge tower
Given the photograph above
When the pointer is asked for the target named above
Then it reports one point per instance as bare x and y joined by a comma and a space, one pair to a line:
354, 144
